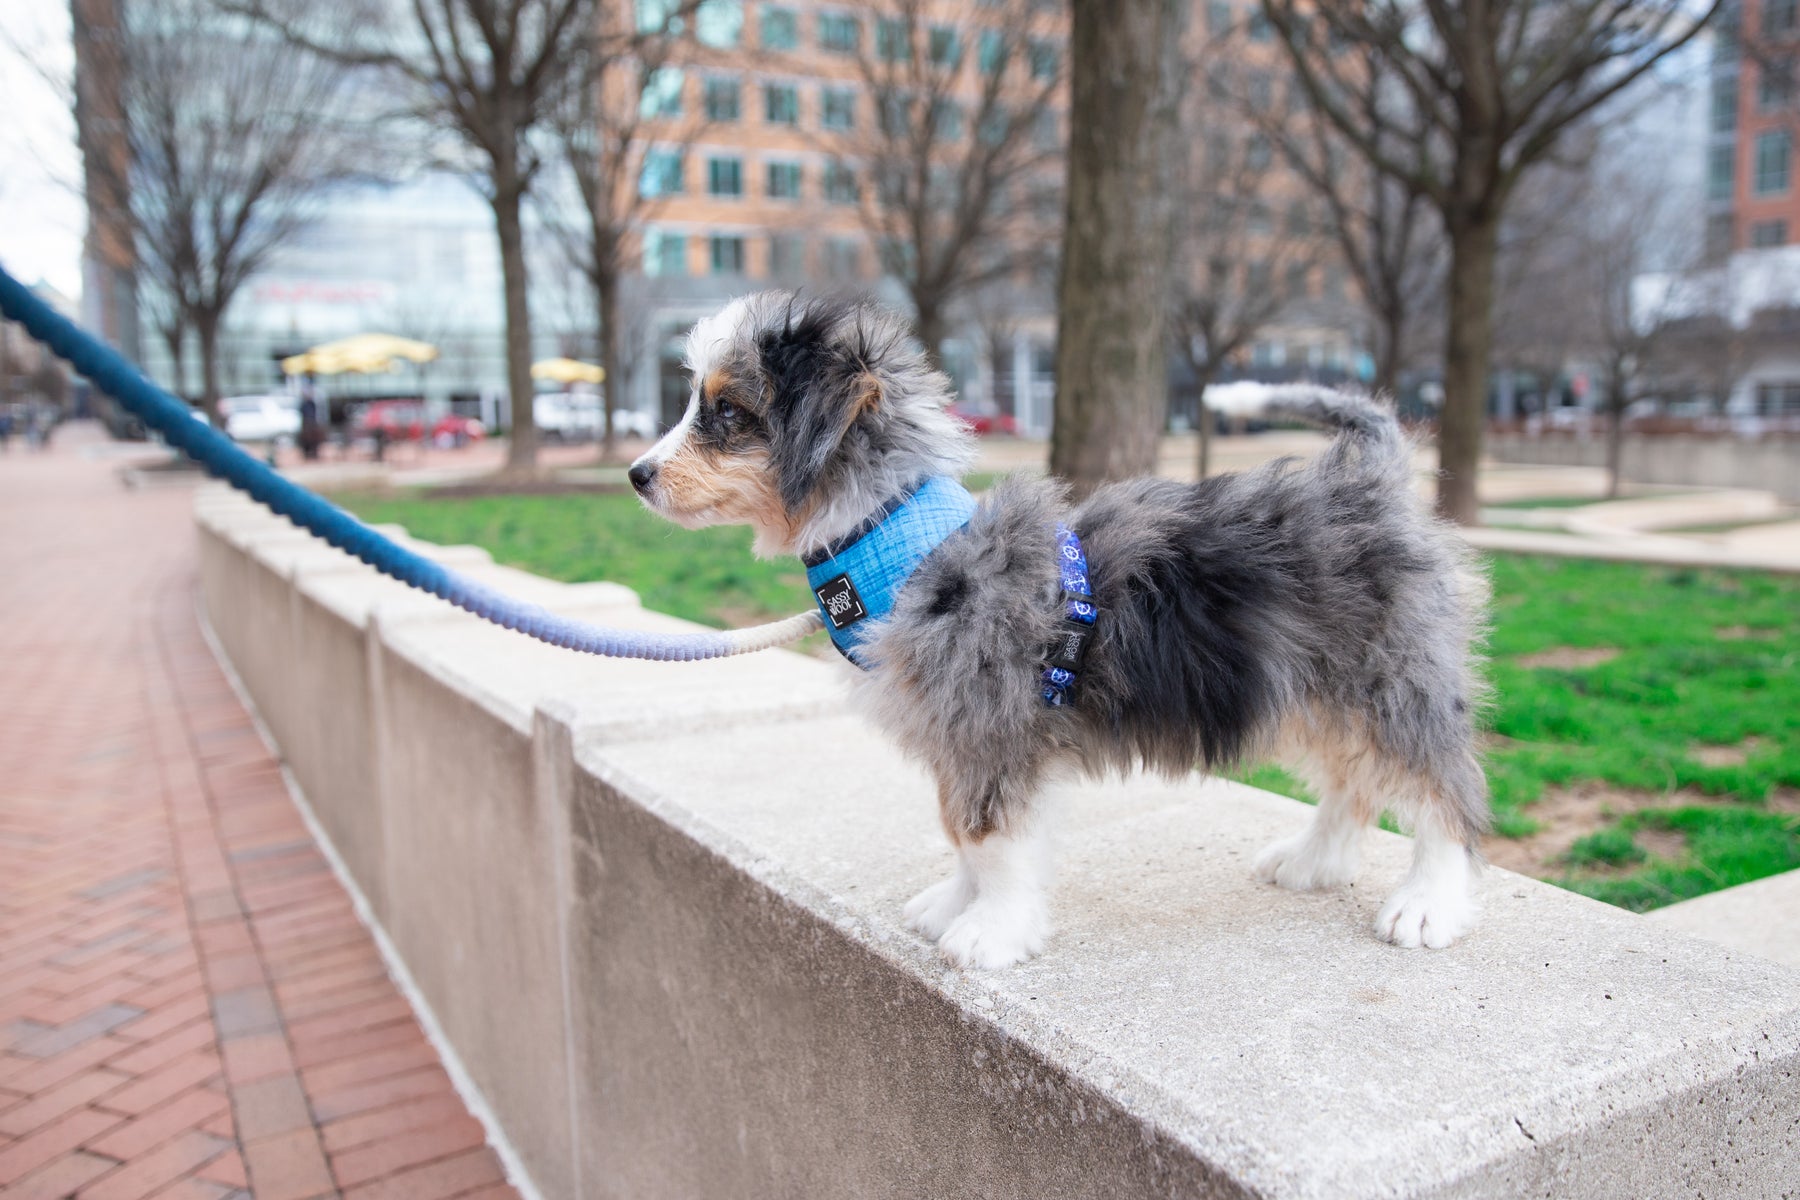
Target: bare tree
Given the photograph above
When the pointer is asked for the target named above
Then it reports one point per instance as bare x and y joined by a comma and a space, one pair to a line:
961, 148
1112, 372
613, 145
226, 142
1485, 91
1238, 237
490, 72
1385, 229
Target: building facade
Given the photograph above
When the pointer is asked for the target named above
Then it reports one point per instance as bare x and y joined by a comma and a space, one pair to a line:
1753, 196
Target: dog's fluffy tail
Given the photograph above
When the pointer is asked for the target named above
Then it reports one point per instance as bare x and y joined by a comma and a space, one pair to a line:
1360, 420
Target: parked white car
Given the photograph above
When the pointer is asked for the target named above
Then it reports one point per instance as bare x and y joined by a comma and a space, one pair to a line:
581, 417
267, 418
567, 416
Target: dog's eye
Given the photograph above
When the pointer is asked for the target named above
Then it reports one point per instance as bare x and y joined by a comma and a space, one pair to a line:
727, 410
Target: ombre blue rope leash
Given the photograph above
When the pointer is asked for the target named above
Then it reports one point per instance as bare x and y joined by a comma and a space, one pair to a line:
158, 410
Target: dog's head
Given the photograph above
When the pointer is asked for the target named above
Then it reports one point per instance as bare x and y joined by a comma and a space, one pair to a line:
806, 415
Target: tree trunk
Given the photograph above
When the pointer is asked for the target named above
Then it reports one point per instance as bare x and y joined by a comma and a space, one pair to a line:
1615, 425
521, 453
1203, 416
607, 303
176, 340
1387, 357
207, 327
929, 327
1474, 238
1112, 384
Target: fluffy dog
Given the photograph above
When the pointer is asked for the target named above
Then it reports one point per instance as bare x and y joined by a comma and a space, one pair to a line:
1310, 613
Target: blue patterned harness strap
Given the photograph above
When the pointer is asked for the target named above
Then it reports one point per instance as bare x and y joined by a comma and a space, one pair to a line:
1063, 663
857, 579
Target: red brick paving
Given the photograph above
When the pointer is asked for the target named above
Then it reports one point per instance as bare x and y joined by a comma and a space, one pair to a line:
189, 1009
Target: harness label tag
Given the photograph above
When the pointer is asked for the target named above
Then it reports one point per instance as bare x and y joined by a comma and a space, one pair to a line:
839, 602
1070, 647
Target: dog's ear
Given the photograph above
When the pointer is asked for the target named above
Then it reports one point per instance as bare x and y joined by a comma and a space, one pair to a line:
816, 393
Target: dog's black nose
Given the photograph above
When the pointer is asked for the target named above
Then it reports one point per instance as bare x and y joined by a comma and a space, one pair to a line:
641, 474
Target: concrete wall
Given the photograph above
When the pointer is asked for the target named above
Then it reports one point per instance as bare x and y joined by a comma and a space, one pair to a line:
655, 911
1770, 463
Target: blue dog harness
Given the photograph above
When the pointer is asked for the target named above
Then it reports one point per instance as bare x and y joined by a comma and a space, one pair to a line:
858, 578
1079, 614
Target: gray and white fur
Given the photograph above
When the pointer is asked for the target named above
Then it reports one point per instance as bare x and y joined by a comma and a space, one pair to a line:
1309, 612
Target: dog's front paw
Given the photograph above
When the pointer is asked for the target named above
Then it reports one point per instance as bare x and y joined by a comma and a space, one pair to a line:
991, 934
1423, 913
1305, 862
931, 911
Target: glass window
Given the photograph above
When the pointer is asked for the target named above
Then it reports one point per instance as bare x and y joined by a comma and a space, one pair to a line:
1721, 164
787, 255
783, 181
843, 258
1260, 29
665, 253
946, 119
1774, 87
1766, 234
1258, 220
1046, 130
837, 108
992, 51
1045, 59
662, 93
1218, 16
1299, 280
893, 41
1780, 16
727, 254
1724, 103
1774, 154
946, 47
725, 176
661, 175
780, 28
896, 114
1259, 278
1299, 219
781, 103
1258, 153
723, 99
840, 32
840, 183
659, 16
719, 23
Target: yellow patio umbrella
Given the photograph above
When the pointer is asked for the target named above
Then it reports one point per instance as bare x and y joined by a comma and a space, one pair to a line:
567, 370
363, 353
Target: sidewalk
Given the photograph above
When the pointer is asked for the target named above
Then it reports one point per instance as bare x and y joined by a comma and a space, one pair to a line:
189, 1008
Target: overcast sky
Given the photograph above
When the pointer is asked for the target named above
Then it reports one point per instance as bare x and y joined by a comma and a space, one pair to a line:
40, 213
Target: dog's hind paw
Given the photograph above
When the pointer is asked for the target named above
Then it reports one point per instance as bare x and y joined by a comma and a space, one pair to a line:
931, 911
1424, 914
1306, 862
991, 934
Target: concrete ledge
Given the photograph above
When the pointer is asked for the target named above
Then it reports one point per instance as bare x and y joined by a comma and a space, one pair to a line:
655, 908
1762, 917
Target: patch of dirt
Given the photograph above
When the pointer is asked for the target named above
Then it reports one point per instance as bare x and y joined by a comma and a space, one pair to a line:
1567, 657
1661, 843
1723, 756
1567, 814
1743, 633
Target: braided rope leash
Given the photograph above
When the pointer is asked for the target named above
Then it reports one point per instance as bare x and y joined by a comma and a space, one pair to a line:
112, 374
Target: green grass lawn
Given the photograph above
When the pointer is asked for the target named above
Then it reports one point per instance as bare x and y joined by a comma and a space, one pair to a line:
1687, 706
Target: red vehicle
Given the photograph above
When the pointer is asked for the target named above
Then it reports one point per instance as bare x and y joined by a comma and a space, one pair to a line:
984, 423
405, 421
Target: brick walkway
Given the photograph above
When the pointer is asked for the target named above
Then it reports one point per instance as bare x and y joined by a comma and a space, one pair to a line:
189, 1008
